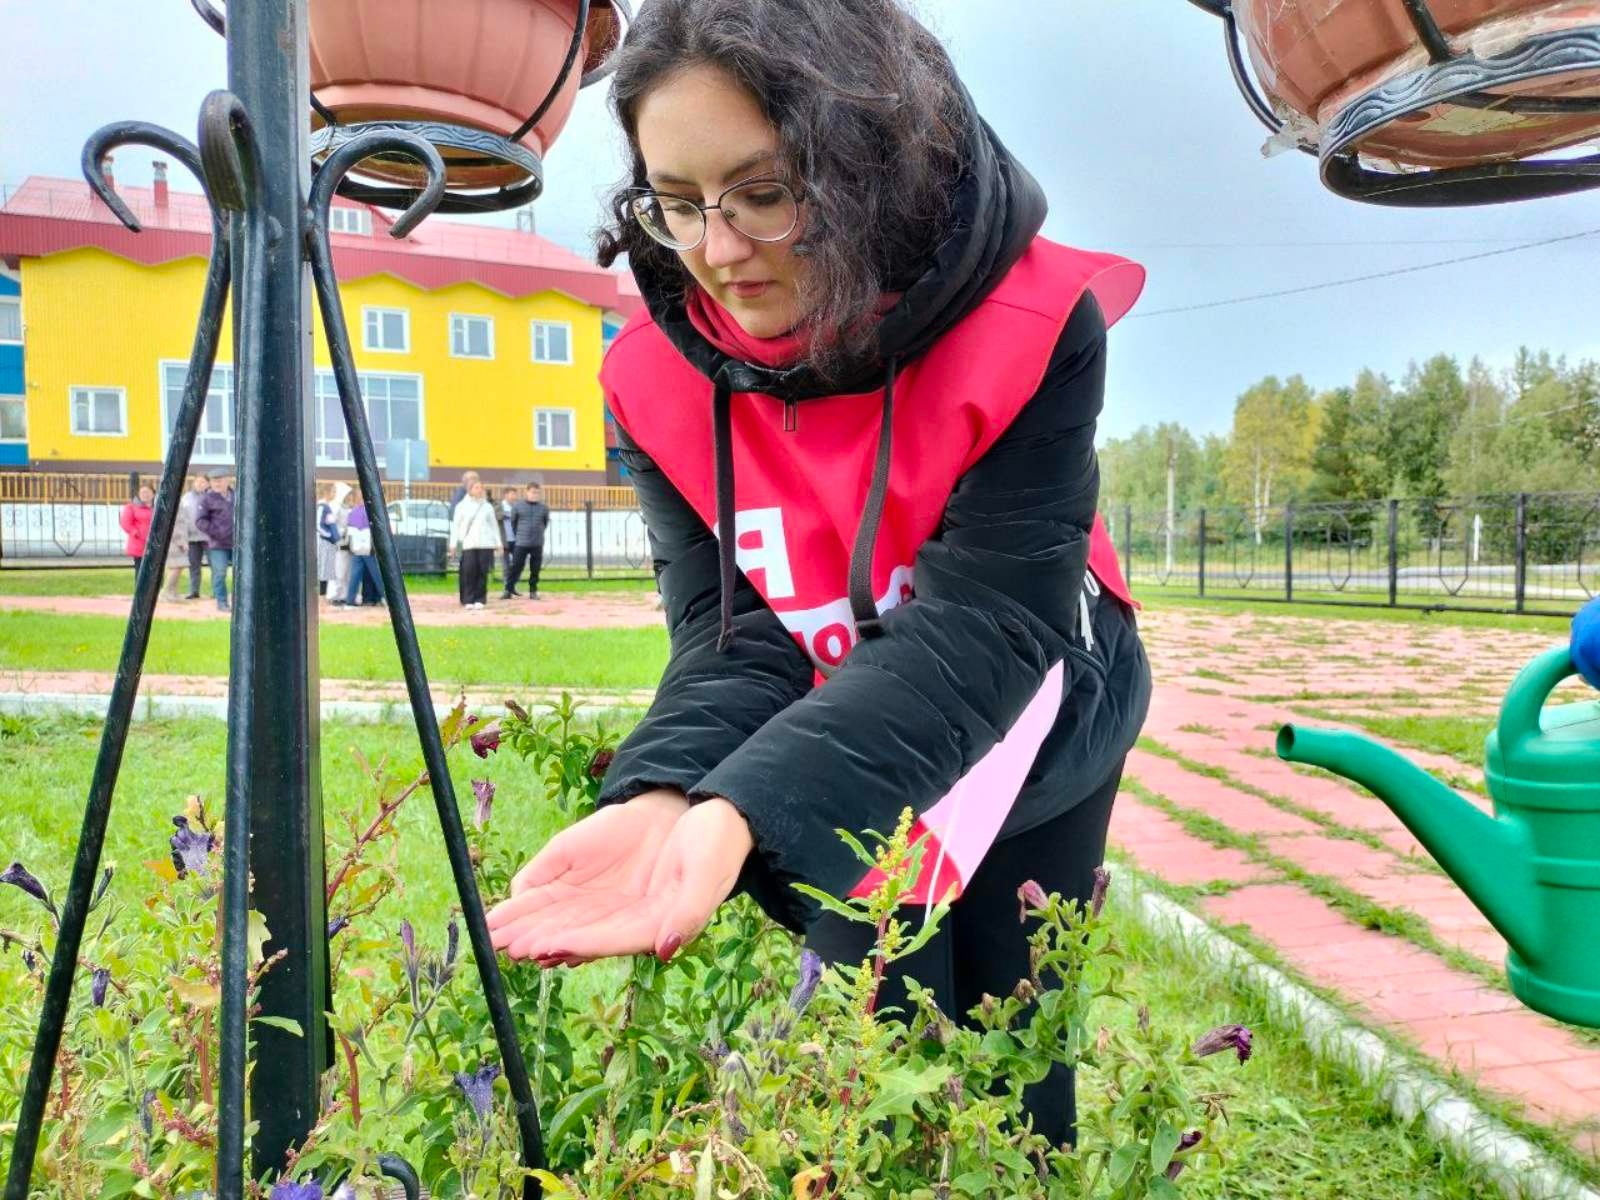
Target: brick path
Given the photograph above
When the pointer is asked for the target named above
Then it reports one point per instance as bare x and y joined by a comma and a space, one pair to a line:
1259, 864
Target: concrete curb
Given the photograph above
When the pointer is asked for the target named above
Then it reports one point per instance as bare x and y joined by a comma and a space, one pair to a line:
165, 708
1519, 1168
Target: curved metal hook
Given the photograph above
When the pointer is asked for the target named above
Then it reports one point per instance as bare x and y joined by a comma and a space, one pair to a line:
398, 1168
1217, 8
343, 160
211, 15
231, 177
625, 18
132, 133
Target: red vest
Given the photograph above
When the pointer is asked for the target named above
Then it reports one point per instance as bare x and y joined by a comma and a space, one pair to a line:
800, 494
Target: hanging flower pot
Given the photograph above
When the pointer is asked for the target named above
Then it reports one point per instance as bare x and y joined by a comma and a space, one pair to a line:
1427, 101
490, 83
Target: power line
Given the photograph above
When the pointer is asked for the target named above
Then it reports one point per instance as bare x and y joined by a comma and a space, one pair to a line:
1333, 283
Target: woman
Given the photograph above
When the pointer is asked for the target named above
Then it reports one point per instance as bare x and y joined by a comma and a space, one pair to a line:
178, 556
475, 532
366, 585
330, 497
136, 517
342, 555
860, 356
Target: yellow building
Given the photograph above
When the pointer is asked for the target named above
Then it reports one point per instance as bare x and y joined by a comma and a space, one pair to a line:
481, 341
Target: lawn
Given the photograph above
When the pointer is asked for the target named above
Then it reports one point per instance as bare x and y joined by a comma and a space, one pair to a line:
1155, 600
1295, 1128
118, 581
572, 658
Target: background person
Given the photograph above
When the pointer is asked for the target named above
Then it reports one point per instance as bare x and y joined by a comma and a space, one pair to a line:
178, 553
475, 532
508, 504
136, 516
196, 548
215, 521
468, 478
530, 519
817, 213
327, 531
342, 556
364, 577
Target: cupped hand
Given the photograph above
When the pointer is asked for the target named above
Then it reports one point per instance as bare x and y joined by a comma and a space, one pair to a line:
591, 877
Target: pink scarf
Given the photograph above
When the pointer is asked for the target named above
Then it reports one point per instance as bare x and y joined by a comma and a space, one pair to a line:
717, 326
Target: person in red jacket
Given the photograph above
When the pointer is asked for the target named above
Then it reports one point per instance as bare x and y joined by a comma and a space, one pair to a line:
136, 516
859, 414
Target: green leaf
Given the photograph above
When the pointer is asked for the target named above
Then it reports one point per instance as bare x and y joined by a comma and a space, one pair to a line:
569, 1116
844, 910
856, 848
1123, 1162
287, 1024
1162, 1146
257, 937
1162, 1188
706, 1177
899, 1089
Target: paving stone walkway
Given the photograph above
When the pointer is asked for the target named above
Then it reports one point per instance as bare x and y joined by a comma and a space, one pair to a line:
1317, 869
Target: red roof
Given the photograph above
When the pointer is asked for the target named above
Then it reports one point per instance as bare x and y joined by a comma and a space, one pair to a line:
47, 216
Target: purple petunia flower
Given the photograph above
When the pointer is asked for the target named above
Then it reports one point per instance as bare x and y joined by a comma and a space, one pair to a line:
99, 892
1031, 895
97, 986
1097, 895
19, 876
29, 961
336, 926
483, 789
810, 976
413, 960
487, 740
286, 1189
191, 849
1187, 1142
147, 1104
601, 763
452, 943
478, 1088
1224, 1037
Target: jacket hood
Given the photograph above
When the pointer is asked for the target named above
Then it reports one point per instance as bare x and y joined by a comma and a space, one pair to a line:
997, 211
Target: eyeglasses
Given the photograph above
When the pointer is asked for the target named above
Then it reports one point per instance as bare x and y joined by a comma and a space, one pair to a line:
763, 210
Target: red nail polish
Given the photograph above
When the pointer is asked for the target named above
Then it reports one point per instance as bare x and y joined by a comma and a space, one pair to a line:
670, 947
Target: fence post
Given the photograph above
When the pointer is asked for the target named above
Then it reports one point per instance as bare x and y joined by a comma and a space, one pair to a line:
1202, 564
1522, 551
1394, 553
133, 484
588, 536
1127, 539
1288, 552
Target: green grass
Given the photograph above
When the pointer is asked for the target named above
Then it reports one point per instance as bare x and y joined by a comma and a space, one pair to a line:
118, 581
572, 658
1155, 599
1296, 1127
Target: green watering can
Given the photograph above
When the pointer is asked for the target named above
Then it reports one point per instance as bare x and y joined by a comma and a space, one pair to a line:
1533, 868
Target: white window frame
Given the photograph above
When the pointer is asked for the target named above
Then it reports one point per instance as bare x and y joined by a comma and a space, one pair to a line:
16, 341
369, 310
202, 457
325, 375
572, 425
342, 219
72, 410
464, 317
5, 398
533, 342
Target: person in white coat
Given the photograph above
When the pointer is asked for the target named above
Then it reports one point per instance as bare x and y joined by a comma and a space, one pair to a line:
475, 532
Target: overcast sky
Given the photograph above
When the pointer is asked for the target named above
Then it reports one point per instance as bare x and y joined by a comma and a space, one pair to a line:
1126, 113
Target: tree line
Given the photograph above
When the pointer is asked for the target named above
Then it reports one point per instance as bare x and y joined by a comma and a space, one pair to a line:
1441, 431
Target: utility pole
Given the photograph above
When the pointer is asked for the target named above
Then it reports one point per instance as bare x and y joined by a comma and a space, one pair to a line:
1172, 495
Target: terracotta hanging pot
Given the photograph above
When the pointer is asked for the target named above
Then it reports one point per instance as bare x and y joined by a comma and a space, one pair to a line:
1320, 57
473, 65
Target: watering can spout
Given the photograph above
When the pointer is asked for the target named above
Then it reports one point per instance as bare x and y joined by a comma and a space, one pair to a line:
1491, 860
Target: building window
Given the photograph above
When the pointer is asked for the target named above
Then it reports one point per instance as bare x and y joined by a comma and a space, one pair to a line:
552, 342
10, 319
350, 220
394, 410
553, 429
387, 329
100, 412
213, 442
13, 419
471, 337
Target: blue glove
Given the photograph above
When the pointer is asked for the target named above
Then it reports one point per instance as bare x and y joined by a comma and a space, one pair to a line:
1586, 642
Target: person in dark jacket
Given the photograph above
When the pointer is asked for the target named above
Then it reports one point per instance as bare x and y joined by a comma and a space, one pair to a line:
859, 414
529, 519
214, 519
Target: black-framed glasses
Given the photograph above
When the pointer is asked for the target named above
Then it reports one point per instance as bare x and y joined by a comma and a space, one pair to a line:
763, 210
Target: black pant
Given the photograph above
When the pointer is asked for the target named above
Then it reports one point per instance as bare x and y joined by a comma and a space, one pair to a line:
197, 556
982, 947
534, 557
475, 568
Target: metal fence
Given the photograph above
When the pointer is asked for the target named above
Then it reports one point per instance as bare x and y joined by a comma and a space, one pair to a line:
61, 519
1533, 553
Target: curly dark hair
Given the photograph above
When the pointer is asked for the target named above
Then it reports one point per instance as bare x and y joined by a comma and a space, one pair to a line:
871, 121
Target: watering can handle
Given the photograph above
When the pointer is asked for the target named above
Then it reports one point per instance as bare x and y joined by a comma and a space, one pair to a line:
1519, 715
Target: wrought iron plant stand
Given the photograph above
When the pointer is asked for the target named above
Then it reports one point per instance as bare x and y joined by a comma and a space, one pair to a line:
270, 248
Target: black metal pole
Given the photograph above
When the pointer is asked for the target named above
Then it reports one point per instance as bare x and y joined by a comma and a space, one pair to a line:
1394, 552
1522, 551
274, 759
588, 537
1288, 552
1201, 573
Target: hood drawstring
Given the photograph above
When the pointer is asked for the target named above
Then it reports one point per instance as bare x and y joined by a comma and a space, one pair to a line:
862, 605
